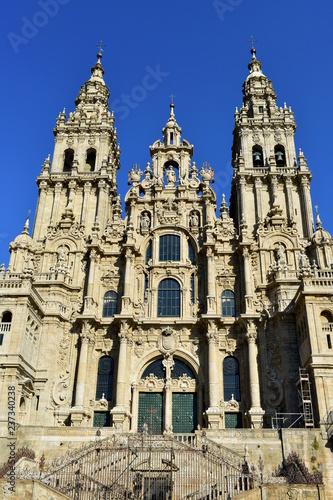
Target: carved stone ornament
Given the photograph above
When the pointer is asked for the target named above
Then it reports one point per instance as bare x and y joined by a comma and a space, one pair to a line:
169, 212
151, 383
184, 383
61, 394
275, 387
139, 347
167, 341
100, 404
231, 405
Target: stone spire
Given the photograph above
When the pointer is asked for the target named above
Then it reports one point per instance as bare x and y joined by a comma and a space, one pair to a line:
172, 131
95, 89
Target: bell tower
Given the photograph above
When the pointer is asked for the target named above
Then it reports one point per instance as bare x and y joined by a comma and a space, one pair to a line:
74, 188
269, 184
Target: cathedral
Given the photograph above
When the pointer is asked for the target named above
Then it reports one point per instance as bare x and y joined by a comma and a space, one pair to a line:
185, 316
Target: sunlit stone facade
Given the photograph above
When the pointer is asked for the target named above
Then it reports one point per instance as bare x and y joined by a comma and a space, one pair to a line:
169, 318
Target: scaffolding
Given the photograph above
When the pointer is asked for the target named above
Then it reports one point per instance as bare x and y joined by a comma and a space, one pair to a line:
304, 391
305, 417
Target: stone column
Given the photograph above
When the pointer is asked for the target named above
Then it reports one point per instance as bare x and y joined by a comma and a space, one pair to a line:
256, 413
38, 226
274, 183
56, 200
289, 199
126, 300
101, 212
210, 281
258, 189
305, 187
168, 407
247, 279
78, 413
213, 413
88, 300
85, 202
242, 209
168, 364
119, 412
135, 406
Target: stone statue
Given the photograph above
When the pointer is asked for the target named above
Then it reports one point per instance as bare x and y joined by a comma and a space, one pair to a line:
194, 219
145, 221
171, 176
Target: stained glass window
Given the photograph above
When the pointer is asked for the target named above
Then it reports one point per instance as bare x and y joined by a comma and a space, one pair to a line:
191, 254
148, 253
180, 369
170, 247
110, 304
231, 379
156, 368
168, 298
104, 378
228, 303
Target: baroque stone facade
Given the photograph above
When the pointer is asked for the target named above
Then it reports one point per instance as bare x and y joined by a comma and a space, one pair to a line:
171, 318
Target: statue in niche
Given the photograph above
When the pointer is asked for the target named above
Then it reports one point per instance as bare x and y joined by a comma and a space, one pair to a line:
171, 176
280, 255
145, 221
194, 219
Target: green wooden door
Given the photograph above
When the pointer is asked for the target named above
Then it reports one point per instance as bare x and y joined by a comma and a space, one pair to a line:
184, 412
151, 412
233, 420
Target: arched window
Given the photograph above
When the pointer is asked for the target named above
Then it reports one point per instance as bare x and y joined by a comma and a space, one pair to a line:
148, 253
327, 327
91, 160
228, 303
68, 160
104, 378
5, 325
170, 247
231, 385
191, 254
179, 369
110, 304
155, 368
280, 156
168, 298
257, 156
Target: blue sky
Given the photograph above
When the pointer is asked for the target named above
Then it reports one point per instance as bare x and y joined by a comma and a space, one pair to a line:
200, 52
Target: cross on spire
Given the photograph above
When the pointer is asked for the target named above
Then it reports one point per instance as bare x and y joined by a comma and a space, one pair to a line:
172, 97
252, 40
100, 45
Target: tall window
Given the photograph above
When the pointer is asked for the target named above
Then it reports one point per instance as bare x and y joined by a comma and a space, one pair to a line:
68, 160
280, 156
5, 325
110, 304
191, 254
148, 253
170, 247
231, 379
257, 156
104, 378
228, 303
91, 159
168, 298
